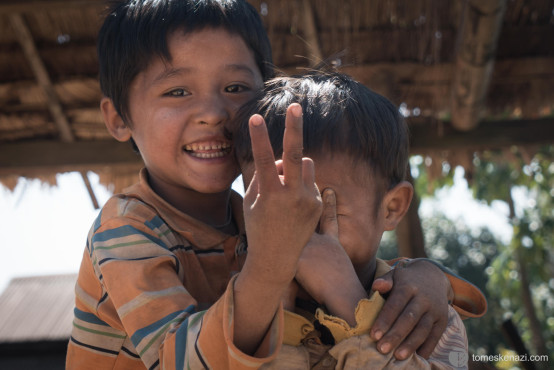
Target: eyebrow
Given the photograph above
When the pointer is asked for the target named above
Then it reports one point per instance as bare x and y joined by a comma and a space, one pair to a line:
172, 72
240, 67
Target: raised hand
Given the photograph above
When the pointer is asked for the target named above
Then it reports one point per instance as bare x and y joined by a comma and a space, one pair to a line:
281, 212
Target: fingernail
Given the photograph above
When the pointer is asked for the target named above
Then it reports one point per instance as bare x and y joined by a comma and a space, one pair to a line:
385, 348
378, 335
402, 354
296, 110
256, 120
329, 195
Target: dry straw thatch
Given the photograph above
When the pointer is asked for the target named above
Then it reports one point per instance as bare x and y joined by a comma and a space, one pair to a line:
483, 61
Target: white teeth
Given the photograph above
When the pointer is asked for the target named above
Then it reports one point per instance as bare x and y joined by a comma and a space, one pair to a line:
208, 155
215, 150
195, 147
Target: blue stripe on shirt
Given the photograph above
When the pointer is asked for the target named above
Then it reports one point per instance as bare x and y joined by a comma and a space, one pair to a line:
139, 335
156, 222
181, 345
123, 231
88, 317
98, 221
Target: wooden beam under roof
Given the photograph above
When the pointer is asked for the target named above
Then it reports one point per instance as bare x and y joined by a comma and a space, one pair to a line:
27, 43
487, 135
21, 158
478, 38
41, 74
47, 157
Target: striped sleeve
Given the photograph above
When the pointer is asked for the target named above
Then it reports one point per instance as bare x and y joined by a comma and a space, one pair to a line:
452, 349
205, 340
141, 277
133, 311
128, 296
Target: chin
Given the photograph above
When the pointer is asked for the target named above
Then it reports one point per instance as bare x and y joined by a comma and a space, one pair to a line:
215, 187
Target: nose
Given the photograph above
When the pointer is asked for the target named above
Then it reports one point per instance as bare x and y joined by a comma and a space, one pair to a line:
212, 110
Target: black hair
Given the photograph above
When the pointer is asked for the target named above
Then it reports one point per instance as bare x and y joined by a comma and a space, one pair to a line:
340, 116
135, 31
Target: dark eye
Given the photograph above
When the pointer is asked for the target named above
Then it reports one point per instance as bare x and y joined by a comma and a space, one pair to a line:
235, 88
177, 92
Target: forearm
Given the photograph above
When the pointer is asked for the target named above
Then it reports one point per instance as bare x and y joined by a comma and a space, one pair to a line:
208, 338
342, 301
255, 306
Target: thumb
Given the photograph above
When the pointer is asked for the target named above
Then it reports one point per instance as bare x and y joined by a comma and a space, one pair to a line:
328, 223
383, 284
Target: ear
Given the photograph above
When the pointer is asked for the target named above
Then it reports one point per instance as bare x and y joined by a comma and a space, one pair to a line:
396, 203
114, 123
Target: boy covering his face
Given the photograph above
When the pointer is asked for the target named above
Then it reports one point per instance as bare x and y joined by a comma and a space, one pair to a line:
358, 142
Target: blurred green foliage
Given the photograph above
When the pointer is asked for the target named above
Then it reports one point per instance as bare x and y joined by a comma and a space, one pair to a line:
525, 181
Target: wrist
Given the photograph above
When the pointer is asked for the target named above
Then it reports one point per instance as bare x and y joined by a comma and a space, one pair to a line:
343, 302
271, 275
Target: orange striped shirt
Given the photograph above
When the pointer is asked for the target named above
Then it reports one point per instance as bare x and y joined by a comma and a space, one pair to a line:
155, 290
147, 274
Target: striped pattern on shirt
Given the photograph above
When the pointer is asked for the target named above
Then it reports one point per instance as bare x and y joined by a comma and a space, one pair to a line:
147, 273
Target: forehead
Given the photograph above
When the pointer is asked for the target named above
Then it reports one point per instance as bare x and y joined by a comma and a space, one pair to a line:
209, 38
350, 179
208, 50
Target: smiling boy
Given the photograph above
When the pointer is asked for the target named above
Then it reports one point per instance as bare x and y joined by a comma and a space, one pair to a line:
173, 73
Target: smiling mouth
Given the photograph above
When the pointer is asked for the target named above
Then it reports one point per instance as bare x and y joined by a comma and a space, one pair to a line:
208, 150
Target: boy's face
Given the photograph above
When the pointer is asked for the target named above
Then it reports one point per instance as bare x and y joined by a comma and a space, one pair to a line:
179, 109
360, 214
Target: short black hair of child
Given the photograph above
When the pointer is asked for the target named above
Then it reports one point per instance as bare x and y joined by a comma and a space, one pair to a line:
135, 31
339, 114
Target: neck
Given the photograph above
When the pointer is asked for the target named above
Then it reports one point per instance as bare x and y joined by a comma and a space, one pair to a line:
210, 208
366, 273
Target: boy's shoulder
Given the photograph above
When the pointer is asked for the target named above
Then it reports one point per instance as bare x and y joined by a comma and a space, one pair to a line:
128, 205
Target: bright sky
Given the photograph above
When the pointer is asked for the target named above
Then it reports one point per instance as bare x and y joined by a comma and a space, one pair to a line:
44, 228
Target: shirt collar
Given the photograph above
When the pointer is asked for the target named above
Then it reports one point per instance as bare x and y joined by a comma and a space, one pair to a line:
200, 234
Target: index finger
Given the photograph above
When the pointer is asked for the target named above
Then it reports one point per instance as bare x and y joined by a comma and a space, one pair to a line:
293, 144
264, 160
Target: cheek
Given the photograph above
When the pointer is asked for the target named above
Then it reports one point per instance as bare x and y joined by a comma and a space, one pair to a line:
357, 239
349, 238
167, 117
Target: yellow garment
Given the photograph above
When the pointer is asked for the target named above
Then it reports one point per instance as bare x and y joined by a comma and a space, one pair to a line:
298, 327
366, 313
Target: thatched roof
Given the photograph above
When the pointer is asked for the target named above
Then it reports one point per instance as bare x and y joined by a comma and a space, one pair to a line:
469, 75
